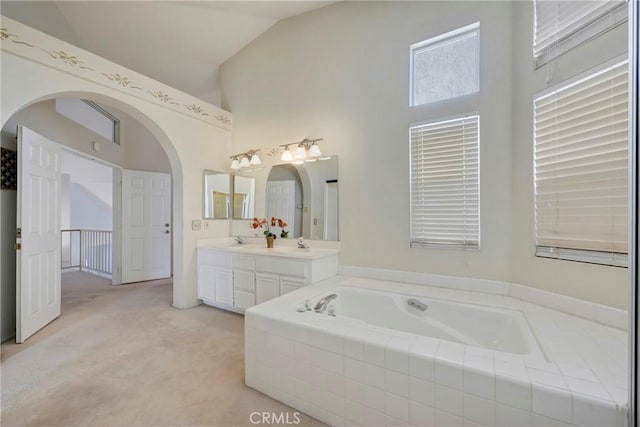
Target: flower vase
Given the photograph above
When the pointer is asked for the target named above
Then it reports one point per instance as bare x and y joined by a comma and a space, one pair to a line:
269, 241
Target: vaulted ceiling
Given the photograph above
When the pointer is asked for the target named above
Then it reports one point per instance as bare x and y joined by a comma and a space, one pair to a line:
180, 43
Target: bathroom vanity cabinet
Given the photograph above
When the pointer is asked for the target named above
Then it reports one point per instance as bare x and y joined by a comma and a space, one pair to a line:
237, 278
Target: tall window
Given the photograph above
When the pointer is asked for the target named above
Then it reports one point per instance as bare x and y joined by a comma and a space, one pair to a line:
581, 143
563, 24
445, 190
446, 66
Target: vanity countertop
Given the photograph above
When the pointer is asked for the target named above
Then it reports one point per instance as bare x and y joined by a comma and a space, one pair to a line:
258, 247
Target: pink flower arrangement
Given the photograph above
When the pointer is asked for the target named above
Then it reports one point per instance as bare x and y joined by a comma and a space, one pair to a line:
263, 223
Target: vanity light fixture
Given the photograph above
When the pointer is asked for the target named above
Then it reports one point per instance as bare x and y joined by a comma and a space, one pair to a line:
255, 160
247, 159
300, 153
286, 155
306, 150
314, 150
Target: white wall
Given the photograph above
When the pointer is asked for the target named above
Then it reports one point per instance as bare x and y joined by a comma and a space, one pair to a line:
89, 211
141, 149
342, 73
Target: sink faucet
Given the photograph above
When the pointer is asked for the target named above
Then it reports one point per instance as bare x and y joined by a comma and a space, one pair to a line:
240, 240
321, 306
302, 244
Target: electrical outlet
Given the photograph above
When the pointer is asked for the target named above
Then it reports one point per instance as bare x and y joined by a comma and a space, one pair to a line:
196, 224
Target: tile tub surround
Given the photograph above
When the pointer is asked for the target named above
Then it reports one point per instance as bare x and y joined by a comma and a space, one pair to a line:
345, 372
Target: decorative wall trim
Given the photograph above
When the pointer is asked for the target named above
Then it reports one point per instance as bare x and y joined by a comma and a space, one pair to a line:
60, 55
609, 316
6, 35
68, 59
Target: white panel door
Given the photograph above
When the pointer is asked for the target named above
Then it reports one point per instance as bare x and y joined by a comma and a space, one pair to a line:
146, 226
281, 202
38, 218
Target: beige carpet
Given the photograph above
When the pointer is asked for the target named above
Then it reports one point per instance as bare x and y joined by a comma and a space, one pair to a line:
121, 356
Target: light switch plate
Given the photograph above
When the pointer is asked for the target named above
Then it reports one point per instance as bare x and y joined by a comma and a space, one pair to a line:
196, 224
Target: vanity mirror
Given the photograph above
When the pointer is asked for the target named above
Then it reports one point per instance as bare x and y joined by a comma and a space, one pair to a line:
217, 195
304, 195
244, 197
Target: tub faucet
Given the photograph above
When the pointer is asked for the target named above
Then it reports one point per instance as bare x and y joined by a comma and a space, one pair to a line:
321, 306
240, 240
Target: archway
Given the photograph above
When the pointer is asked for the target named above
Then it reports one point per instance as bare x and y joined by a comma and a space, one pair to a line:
174, 160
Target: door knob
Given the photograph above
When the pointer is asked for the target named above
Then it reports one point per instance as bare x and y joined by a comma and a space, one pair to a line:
166, 232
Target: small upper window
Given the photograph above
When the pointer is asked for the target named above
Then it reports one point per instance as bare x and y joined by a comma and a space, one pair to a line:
446, 66
91, 116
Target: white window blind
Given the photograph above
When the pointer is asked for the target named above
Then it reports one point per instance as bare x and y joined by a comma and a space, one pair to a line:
563, 24
581, 144
445, 183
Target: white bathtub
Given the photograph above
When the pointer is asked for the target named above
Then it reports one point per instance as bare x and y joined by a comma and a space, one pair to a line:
468, 359
491, 328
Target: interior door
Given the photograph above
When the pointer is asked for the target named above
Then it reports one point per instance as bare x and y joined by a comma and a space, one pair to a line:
281, 202
146, 226
38, 268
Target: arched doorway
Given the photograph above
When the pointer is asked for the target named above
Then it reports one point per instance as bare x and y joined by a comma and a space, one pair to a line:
195, 135
43, 115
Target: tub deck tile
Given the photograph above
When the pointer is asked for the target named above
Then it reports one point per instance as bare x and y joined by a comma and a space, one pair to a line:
346, 372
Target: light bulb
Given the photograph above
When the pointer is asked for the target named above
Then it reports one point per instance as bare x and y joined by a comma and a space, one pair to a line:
235, 164
286, 155
300, 152
255, 160
245, 162
314, 150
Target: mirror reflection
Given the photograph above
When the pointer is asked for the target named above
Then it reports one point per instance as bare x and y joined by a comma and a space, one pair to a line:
217, 195
306, 197
244, 191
